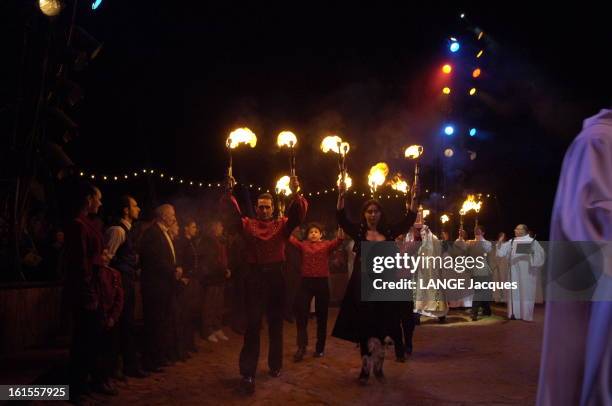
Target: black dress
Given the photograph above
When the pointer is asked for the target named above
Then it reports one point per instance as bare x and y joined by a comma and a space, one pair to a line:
358, 321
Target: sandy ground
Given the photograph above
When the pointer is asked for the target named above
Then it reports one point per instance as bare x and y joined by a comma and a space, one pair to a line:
488, 362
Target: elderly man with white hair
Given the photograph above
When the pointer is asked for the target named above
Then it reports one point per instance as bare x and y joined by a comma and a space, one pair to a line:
160, 274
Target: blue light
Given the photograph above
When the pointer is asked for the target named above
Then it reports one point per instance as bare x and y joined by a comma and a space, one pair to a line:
449, 130
472, 132
454, 47
96, 4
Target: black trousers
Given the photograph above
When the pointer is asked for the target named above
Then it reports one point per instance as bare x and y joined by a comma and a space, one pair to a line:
127, 323
158, 313
482, 297
86, 328
407, 320
319, 289
264, 293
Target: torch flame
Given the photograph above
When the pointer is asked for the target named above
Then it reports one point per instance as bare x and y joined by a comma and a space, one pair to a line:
331, 142
282, 186
444, 219
377, 176
398, 183
286, 139
470, 204
413, 151
241, 136
347, 180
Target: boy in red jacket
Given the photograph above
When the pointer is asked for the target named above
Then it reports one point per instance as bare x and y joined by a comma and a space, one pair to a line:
314, 283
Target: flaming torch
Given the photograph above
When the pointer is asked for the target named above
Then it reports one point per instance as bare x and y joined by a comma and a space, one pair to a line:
378, 174
414, 152
398, 183
335, 144
236, 138
288, 139
347, 180
468, 205
282, 190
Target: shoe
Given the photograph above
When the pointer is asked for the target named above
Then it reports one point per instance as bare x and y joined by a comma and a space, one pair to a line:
299, 355
442, 320
318, 354
366, 366
136, 373
378, 357
474, 318
275, 373
247, 385
213, 338
512, 317
409, 351
363, 378
400, 358
221, 335
417, 319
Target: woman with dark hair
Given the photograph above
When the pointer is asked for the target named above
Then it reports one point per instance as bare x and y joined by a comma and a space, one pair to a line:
368, 323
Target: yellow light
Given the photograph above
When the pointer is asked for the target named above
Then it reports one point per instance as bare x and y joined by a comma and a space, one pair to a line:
335, 144
476, 73
479, 54
347, 180
446, 90
480, 35
50, 8
447, 69
398, 183
378, 174
444, 218
241, 136
286, 139
472, 91
413, 151
282, 186
448, 152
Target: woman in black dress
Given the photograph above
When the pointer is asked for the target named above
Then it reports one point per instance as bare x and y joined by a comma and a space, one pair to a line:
368, 323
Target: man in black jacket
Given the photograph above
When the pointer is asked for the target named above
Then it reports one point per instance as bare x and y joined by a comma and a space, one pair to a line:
160, 274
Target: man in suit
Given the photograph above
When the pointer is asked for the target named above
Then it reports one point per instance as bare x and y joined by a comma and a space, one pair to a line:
160, 274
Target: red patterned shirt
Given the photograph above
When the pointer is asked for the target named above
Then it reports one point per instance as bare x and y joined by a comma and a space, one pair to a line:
315, 256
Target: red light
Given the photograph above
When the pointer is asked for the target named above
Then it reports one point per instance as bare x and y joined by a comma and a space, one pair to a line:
476, 73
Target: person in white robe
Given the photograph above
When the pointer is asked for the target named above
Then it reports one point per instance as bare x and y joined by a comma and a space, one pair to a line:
525, 258
576, 364
499, 271
429, 302
479, 247
461, 298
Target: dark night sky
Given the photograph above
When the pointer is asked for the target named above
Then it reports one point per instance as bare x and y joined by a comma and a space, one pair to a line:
172, 81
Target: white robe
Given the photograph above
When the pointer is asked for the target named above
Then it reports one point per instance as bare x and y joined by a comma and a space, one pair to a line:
576, 366
429, 302
459, 248
499, 273
524, 269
